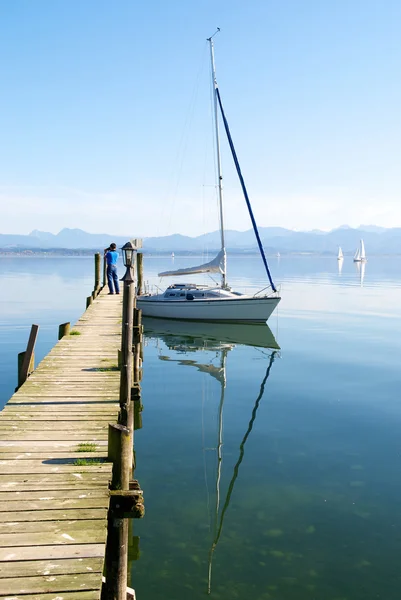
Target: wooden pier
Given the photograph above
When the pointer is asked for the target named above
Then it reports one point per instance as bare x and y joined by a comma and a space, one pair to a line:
54, 474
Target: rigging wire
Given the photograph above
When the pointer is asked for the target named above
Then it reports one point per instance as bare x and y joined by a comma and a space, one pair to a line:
237, 166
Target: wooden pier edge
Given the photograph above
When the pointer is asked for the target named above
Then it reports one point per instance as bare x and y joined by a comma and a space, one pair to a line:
53, 459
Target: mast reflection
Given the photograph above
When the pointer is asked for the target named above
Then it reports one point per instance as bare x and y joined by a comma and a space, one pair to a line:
186, 337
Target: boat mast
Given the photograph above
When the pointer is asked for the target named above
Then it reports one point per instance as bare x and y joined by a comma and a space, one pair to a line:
219, 171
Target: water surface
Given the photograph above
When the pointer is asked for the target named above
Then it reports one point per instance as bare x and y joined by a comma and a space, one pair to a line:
286, 462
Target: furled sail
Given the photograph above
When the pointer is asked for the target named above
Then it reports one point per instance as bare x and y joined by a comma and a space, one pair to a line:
214, 266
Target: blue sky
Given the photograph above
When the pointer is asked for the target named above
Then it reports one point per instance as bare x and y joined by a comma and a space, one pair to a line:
105, 113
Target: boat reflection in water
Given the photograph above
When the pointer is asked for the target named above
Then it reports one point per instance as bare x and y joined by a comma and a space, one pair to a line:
186, 337
360, 269
202, 334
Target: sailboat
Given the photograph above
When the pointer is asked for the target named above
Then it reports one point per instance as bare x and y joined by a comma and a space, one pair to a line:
340, 254
191, 301
360, 255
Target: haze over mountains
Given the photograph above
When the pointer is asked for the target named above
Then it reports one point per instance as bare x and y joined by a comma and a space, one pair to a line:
378, 240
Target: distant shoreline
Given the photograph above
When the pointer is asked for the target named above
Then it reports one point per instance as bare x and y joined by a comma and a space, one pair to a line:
87, 253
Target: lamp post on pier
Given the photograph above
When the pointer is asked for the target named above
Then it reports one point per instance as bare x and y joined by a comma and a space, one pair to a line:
129, 255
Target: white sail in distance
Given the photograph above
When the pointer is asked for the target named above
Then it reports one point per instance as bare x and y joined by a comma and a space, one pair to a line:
214, 266
362, 251
340, 253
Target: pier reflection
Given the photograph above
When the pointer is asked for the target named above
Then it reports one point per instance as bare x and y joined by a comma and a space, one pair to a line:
217, 340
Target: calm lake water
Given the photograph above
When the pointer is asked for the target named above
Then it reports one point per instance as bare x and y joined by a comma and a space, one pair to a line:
268, 474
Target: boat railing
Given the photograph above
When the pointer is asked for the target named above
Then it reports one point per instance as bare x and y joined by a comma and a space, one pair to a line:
268, 287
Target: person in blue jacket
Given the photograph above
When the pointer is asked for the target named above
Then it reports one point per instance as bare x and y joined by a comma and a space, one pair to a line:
111, 256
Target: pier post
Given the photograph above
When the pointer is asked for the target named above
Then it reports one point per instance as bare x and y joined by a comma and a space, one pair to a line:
137, 406
89, 301
97, 273
63, 329
120, 453
26, 360
137, 342
126, 366
21, 357
139, 266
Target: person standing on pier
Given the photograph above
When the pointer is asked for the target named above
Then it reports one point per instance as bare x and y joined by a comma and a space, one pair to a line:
111, 256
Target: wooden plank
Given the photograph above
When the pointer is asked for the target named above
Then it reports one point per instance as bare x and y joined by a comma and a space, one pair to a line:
76, 551
12, 496
44, 467
55, 485
55, 397
89, 436
64, 504
30, 568
63, 526
55, 478
90, 416
50, 583
46, 538
44, 425
55, 445
60, 457
49, 407
53, 515
77, 595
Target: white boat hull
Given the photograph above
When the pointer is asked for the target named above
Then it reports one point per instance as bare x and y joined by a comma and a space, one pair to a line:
235, 310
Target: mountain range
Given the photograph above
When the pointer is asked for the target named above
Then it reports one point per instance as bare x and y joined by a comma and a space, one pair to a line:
378, 240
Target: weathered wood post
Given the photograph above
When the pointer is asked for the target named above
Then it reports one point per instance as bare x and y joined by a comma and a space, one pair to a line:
116, 562
136, 342
120, 454
26, 360
139, 269
63, 329
21, 357
89, 301
137, 406
97, 273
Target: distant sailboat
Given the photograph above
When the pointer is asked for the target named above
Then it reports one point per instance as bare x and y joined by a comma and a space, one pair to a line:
278, 254
360, 255
340, 254
172, 255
